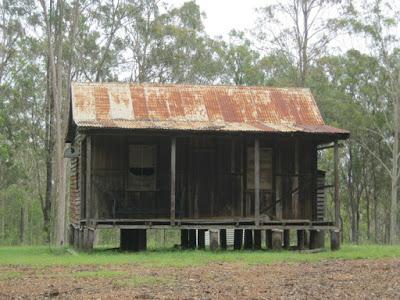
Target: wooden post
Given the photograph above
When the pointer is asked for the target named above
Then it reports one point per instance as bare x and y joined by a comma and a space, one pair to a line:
301, 239
336, 191
268, 238
133, 239
88, 176
184, 238
276, 239
71, 233
76, 238
192, 238
257, 239
222, 239
213, 239
81, 244
286, 239
238, 239
173, 178
257, 181
201, 241
248, 239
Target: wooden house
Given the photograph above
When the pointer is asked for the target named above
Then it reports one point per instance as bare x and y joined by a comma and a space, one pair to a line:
198, 158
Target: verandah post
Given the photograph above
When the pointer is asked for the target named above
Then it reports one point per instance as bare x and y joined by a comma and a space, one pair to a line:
335, 234
173, 178
257, 181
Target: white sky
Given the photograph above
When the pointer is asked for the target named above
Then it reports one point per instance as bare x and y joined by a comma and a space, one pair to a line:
225, 15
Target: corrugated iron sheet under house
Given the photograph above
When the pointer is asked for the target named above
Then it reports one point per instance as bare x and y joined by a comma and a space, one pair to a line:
194, 157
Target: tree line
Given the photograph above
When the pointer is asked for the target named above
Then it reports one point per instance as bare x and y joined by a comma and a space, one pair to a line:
346, 52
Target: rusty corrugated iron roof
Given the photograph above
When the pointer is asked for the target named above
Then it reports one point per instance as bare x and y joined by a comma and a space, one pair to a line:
197, 108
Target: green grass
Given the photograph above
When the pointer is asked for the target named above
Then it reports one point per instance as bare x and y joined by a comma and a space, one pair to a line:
142, 280
44, 256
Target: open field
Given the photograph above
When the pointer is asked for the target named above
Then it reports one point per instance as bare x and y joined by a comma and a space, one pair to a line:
353, 272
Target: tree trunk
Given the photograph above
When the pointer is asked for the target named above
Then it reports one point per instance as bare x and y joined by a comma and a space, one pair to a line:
395, 174
22, 225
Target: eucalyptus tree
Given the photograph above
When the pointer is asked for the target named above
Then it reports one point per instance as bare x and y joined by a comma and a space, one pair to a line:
379, 21
299, 30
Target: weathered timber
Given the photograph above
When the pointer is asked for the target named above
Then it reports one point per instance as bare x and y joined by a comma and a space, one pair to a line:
71, 233
257, 181
173, 179
286, 239
76, 238
268, 238
184, 238
222, 239
335, 239
133, 239
248, 239
88, 180
301, 239
192, 238
257, 239
213, 240
238, 239
336, 183
201, 242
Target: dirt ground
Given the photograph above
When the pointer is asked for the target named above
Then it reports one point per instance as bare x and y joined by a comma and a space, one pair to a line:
359, 279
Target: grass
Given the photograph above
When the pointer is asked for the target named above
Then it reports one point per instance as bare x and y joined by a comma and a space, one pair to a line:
45, 256
142, 280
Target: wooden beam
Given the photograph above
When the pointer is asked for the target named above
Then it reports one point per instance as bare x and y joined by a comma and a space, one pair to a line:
173, 179
257, 181
336, 183
88, 207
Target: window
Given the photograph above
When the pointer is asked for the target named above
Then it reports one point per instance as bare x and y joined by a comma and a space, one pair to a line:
142, 168
265, 168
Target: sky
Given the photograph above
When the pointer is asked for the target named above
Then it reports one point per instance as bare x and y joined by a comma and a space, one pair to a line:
225, 15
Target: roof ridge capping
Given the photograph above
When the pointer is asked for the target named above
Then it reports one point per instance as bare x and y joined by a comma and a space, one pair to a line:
156, 84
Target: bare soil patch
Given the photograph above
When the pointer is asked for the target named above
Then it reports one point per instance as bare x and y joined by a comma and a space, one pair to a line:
357, 279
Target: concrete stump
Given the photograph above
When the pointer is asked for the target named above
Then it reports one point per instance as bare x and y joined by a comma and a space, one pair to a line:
335, 239
317, 239
213, 239
276, 239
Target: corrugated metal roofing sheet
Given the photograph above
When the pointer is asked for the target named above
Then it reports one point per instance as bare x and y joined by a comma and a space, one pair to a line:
196, 107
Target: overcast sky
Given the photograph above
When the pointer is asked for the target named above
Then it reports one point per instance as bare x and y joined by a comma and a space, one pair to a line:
224, 15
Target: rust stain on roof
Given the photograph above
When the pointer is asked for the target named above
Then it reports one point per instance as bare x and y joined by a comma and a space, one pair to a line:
196, 107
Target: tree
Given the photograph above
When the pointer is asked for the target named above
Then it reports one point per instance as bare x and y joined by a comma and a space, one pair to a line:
380, 25
298, 30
